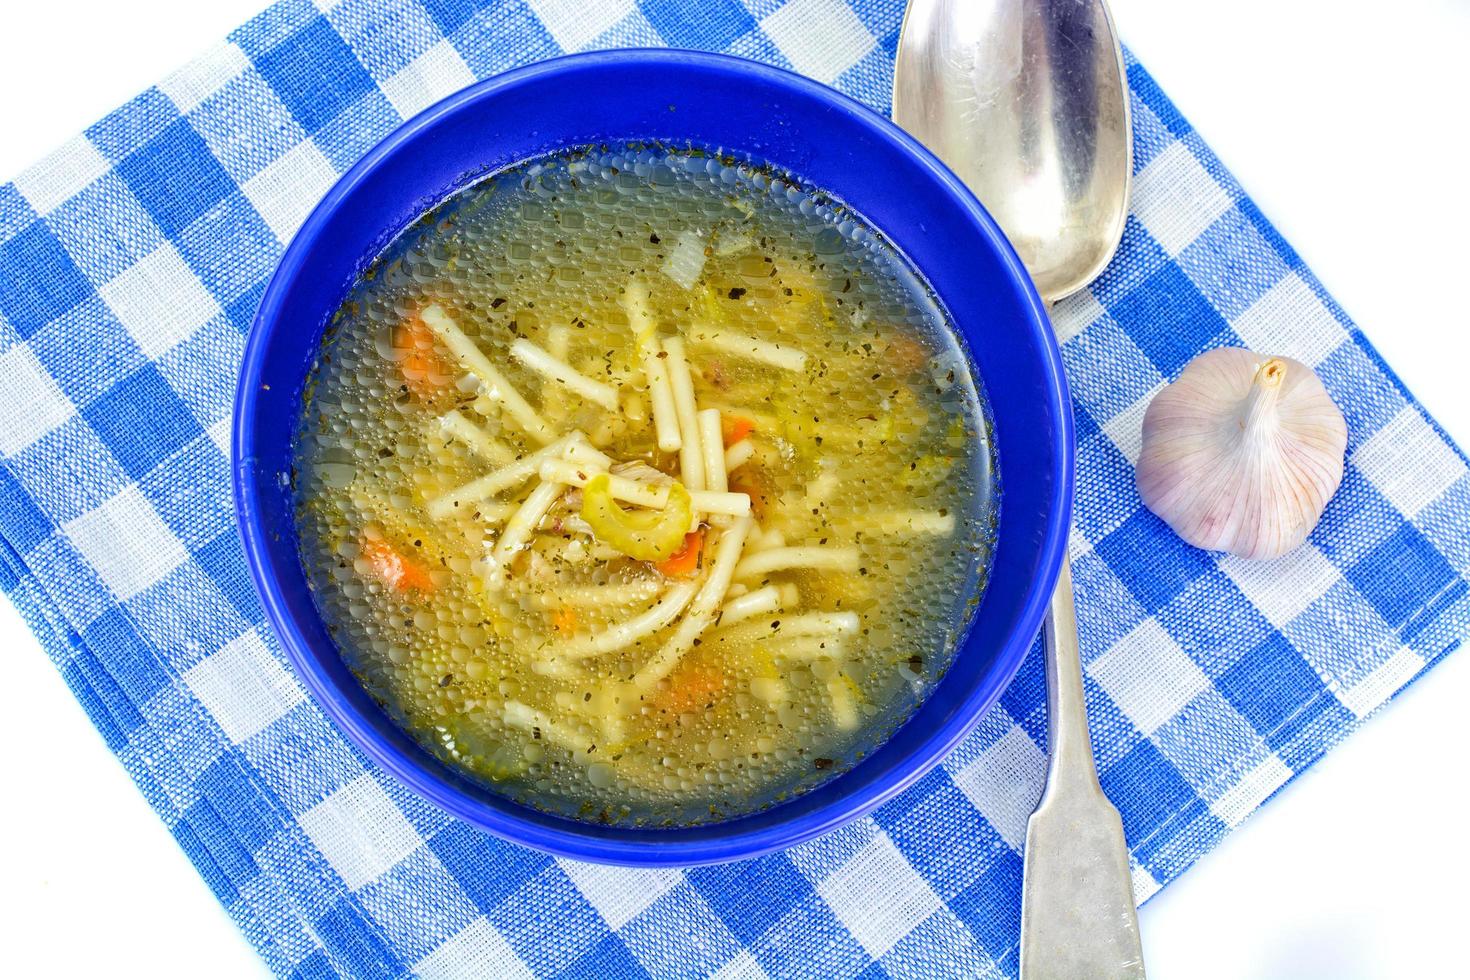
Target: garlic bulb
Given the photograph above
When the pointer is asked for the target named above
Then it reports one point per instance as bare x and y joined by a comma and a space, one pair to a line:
1242, 453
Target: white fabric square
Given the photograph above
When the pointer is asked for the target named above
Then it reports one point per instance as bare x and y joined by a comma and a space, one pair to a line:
1250, 791
126, 543
821, 38
575, 23
742, 967
1145, 885
1370, 692
475, 952
285, 190
1148, 676
1003, 783
619, 894
55, 178
1408, 462
1126, 428
159, 300
1282, 588
1289, 320
1176, 199
204, 76
219, 433
243, 687
39, 404
1075, 314
434, 74
360, 831
878, 896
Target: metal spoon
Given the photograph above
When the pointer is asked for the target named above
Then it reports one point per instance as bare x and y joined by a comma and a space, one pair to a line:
1027, 102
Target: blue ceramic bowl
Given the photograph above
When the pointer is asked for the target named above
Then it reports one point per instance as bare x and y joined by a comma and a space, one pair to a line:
769, 115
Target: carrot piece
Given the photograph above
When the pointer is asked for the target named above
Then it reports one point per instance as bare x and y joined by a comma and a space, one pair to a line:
564, 620
735, 427
907, 354
691, 688
394, 570
684, 562
420, 365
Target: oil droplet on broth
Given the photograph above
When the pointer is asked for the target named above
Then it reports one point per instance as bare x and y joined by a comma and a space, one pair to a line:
873, 446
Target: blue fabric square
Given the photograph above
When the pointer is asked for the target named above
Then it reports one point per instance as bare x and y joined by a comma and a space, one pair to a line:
41, 281
1192, 324
985, 906
1400, 574
175, 177
449, 15
1170, 797
549, 944
111, 699
217, 835
749, 896
256, 815
141, 421
223, 560
488, 870
609, 958
273, 25
356, 948
132, 662
502, 37
315, 74
1154, 565
218, 878
133, 124
384, 35
1270, 684
22, 523
77, 681
709, 24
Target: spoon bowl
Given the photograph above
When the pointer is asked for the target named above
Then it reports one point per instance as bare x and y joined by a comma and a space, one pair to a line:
1027, 103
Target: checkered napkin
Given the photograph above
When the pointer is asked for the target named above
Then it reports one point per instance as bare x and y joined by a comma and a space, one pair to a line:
131, 263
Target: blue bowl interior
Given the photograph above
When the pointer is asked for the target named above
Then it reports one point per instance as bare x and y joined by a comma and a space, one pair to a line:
769, 115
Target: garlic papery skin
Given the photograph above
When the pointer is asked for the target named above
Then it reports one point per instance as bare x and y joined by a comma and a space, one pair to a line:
1242, 453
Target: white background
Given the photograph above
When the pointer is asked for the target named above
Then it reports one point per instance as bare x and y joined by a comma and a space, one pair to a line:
1345, 119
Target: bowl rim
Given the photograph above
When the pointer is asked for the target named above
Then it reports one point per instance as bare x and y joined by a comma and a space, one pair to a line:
586, 845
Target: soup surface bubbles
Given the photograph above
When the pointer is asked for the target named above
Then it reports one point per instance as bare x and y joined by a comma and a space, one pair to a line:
645, 485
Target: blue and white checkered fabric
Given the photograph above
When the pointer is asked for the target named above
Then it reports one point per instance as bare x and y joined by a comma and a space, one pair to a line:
131, 262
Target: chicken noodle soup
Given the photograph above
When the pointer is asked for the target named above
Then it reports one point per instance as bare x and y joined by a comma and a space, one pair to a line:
645, 485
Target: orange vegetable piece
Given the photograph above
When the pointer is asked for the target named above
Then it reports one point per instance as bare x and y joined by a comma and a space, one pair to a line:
685, 561
735, 427
691, 688
907, 354
420, 364
394, 570
564, 620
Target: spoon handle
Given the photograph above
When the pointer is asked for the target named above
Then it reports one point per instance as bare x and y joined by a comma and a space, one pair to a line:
1078, 920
